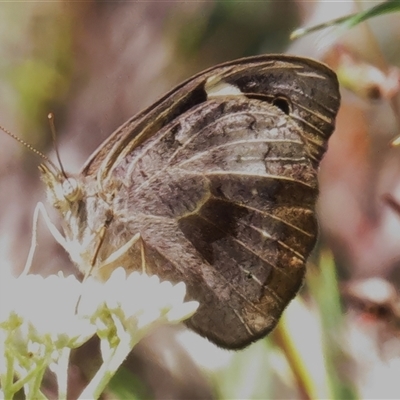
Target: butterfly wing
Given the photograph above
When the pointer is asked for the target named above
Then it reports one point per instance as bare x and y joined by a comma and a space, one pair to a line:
220, 179
310, 87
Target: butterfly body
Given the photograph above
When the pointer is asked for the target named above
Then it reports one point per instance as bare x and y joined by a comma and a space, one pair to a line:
217, 183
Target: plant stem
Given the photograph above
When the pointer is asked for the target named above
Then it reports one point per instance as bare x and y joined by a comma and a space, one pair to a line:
61, 371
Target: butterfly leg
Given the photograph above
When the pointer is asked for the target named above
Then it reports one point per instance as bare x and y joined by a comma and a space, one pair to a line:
41, 210
143, 256
121, 251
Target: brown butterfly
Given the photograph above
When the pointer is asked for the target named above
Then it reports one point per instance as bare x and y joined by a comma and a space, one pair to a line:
215, 185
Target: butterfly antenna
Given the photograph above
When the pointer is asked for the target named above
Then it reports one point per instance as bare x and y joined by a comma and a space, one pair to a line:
50, 117
29, 147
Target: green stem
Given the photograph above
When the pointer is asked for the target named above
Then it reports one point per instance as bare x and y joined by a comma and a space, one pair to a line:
7, 378
107, 371
24, 382
32, 387
127, 340
304, 381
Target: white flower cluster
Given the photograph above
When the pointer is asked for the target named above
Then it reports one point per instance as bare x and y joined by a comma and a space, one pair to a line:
42, 319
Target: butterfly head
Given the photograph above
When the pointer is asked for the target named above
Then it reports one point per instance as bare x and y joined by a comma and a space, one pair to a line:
62, 190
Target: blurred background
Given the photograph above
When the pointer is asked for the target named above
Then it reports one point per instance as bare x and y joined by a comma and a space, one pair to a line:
95, 64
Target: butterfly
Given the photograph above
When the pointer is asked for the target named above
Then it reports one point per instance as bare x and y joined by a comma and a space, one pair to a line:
214, 185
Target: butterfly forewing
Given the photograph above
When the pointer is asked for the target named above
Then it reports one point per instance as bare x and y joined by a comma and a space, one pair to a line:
311, 88
219, 178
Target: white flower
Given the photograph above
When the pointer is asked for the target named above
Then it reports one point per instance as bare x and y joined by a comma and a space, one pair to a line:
137, 300
41, 319
46, 307
131, 306
38, 327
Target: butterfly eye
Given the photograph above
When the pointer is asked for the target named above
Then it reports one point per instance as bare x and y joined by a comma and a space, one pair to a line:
283, 104
71, 189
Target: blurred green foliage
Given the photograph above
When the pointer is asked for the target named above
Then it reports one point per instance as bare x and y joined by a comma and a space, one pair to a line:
352, 20
225, 30
125, 385
41, 77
